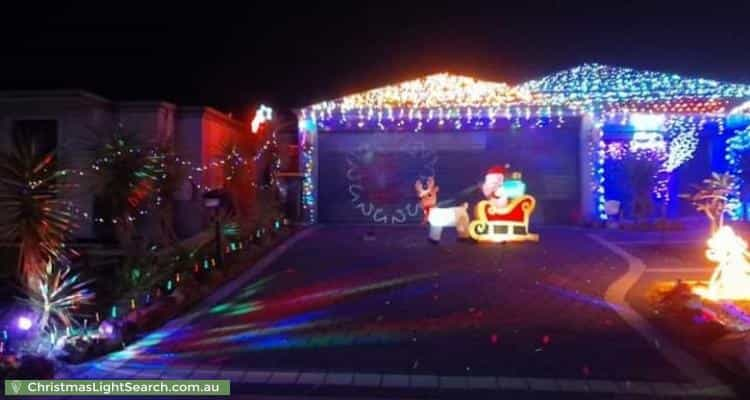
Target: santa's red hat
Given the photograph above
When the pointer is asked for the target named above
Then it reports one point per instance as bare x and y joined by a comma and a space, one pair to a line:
496, 170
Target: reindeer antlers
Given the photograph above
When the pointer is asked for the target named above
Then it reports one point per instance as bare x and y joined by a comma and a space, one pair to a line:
431, 186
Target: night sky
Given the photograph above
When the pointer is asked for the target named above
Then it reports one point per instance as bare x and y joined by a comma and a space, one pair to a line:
231, 56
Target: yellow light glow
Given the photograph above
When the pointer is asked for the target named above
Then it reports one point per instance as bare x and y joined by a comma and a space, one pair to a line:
731, 278
501, 225
433, 91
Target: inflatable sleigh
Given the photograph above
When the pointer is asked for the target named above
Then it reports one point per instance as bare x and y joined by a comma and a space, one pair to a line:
504, 215
506, 224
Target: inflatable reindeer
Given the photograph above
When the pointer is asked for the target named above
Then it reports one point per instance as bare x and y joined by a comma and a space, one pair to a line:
438, 217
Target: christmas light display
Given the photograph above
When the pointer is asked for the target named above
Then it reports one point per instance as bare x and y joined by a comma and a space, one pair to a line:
647, 141
683, 142
591, 87
743, 108
262, 115
308, 140
435, 91
731, 278
504, 215
439, 217
57, 298
24, 323
130, 175
617, 150
674, 144
736, 147
658, 105
647, 122
601, 89
597, 153
148, 175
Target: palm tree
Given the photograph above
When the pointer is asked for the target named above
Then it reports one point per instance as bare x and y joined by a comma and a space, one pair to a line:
173, 175
128, 179
35, 213
712, 197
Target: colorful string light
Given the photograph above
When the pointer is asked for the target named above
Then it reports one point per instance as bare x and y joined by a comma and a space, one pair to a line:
601, 88
308, 139
590, 87
605, 94
736, 147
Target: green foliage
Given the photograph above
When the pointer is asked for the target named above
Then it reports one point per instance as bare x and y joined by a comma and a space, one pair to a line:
140, 275
712, 197
35, 213
58, 297
128, 178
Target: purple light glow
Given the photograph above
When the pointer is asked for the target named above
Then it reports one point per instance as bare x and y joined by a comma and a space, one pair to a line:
24, 323
106, 329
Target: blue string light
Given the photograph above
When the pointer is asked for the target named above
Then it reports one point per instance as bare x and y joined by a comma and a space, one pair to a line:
446, 102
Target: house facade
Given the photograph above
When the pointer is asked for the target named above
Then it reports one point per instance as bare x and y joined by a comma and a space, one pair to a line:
72, 122
582, 139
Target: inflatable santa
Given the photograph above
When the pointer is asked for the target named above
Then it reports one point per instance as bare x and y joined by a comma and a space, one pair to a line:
493, 187
503, 216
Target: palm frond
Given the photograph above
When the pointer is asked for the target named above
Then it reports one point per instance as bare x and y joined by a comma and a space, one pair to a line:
35, 210
57, 297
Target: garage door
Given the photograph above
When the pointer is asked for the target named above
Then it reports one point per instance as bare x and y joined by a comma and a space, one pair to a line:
369, 177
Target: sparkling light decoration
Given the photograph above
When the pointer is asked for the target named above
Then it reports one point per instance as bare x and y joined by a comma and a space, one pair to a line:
434, 91
262, 115
617, 150
647, 122
601, 88
308, 140
731, 278
737, 145
106, 329
683, 141
132, 175
678, 147
24, 323
586, 88
446, 102
234, 160
647, 141
597, 171
57, 298
743, 108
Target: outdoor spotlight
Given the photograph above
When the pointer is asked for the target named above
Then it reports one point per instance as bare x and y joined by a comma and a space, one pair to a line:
106, 329
211, 202
24, 323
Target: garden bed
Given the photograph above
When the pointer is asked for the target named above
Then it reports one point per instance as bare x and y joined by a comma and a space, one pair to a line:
719, 331
169, 301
